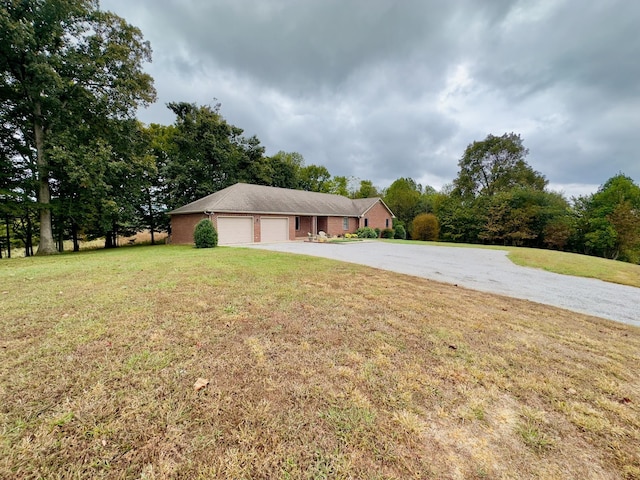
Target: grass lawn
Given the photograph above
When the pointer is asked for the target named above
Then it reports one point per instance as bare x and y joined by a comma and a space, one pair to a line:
316, 369
559, 262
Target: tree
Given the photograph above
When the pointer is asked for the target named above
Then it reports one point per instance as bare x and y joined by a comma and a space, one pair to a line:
63, 65
495, 164
608, 222
521, 216
404, 197
315, 178
366, 190
339, 186
208, 154
281, 170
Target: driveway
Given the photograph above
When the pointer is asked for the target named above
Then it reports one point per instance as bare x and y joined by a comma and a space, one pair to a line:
485, 270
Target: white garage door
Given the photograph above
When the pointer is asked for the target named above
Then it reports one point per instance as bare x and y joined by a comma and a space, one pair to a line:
274, 230
233, 230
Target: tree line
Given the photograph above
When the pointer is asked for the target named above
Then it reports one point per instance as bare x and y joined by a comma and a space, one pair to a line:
498, 199
75, 163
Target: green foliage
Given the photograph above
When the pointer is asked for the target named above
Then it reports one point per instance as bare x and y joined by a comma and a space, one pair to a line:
496, 164
399, 231
315, 178
209, 155
89, 63
205, 234
404, 198
425, 227
608, 222
388, 233
284, 169
461, 220
366, 190
520, 217
366, 232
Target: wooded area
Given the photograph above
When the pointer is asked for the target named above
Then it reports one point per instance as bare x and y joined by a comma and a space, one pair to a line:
75, 163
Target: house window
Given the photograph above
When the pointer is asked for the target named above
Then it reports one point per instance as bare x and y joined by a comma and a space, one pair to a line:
345, 223
386, 223
297, 223
366, 222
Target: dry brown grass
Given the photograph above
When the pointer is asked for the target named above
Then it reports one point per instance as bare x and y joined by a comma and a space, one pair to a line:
317, 369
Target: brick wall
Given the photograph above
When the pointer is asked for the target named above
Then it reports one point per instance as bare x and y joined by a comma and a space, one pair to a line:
335, 226
182, 227
378, 217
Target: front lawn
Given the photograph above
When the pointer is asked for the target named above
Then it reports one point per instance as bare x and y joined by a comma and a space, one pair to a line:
315, 369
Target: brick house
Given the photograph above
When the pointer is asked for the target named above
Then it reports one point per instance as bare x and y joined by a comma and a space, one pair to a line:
244, 213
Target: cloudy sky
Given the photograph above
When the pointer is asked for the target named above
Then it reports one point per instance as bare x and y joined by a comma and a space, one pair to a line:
382, 89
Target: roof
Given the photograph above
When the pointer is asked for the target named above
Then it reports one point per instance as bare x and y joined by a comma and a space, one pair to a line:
246, 198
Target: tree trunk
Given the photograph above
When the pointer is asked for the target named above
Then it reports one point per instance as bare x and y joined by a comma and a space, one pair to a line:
28, 244
8, 237
151, 224
74, 236
47, 245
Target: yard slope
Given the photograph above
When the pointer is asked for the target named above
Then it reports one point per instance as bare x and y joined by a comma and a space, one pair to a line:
316, 369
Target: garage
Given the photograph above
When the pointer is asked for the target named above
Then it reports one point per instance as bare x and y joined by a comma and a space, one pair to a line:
274, 230
234, 230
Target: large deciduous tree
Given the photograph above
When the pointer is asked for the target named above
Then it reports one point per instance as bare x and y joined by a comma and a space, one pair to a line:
609, 220
65, 66
496, 164
404, 198
207, 154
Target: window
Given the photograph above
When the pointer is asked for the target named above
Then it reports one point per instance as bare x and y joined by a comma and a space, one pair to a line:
366, 222
345, 223
386, 223
297, 223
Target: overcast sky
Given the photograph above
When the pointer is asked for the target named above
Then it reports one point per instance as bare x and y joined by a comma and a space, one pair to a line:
382, 89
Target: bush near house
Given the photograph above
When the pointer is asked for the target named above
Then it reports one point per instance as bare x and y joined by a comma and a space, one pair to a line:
399, 232
425, 227
387, 233
205, 234
366, 232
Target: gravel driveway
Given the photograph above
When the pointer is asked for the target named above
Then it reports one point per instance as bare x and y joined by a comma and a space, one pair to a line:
485, 270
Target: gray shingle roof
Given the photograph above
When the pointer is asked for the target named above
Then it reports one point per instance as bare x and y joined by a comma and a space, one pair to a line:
246, 198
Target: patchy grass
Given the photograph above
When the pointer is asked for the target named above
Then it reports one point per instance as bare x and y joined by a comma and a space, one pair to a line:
316, 369
559, 262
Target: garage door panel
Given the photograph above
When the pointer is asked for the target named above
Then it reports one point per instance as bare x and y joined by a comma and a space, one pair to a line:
235, 230
274, 230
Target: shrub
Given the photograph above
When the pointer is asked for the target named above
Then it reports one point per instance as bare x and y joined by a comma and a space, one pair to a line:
205, 234
400, 232
387, 233
366, 232
377, 230
425, 227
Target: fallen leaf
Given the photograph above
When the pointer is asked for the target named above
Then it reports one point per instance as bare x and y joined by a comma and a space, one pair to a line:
625, 400
200, 384
453, 347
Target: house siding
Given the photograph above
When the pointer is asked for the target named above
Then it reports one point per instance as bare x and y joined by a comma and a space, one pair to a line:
377, 217
182, 227
306, 227
335, 226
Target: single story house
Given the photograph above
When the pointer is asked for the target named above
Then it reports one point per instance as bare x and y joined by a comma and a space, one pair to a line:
244, 213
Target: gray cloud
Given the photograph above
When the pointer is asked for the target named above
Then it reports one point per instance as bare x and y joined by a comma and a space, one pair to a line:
388, 88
